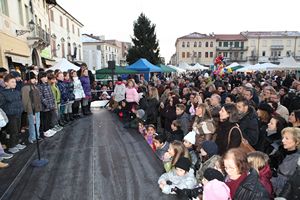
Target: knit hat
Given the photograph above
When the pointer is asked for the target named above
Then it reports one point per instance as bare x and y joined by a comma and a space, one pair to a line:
216, 190
183, 163
265, 107
30, 75
210, 147
15, 74
140, 113
191, 137
211, 174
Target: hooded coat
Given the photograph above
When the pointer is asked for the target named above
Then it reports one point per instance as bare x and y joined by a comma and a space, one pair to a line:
188, 181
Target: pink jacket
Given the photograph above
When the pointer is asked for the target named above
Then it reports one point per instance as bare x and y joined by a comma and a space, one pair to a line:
132, 95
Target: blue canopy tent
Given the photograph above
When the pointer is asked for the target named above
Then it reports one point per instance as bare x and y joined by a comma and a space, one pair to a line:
144, 67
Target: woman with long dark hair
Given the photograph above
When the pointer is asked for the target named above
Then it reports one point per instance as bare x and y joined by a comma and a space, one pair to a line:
228, 134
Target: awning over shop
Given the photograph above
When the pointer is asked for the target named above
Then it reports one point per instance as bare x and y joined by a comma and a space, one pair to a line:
19, 59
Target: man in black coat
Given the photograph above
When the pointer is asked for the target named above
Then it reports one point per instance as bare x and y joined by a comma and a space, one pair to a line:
248, 121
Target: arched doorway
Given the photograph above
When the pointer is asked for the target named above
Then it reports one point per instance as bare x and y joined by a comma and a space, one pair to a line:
35, 57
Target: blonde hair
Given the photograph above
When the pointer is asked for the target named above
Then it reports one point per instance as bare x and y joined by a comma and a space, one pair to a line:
257, 160
295, 132
154, 93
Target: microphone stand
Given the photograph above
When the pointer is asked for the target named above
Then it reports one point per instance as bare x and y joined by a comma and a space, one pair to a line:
40, 162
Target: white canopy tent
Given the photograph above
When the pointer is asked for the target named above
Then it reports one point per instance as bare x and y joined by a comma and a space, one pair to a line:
178, 69
64, 65
287, 63
200, 67
183, 65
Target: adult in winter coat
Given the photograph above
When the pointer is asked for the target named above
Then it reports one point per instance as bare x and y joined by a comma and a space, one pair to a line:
264, 112
243, 181
32, 102
259, 161
11, 104
272, 140
228, 135
152, 106
169, 112
203, 124
284, 161
248, 121
47, 100
85, 82
119, 90
291, 190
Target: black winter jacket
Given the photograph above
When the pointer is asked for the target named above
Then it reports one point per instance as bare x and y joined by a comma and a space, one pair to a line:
175, 135
152, 111
251, 188
222, 137
11, 102
249, 126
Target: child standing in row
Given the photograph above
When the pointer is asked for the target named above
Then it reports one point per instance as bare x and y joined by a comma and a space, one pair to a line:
48, 104
32, 106
11, 104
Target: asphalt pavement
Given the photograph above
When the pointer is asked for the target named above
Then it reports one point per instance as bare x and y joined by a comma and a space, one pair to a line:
93, 158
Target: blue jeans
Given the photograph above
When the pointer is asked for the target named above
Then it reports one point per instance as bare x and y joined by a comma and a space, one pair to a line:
31, 126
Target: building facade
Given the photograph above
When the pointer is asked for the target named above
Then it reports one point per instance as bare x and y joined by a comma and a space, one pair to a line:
244, 48
233, 47
271, 46
196, 48
26, 33
106, 50
65, 35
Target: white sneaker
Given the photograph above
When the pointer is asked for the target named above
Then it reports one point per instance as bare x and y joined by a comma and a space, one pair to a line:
20, 146
13, 150
49, 133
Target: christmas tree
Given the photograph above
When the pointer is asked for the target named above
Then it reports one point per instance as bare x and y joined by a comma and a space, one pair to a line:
145, 44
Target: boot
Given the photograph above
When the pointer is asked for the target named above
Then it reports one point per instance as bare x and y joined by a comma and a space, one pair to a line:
83, 110
66, 118
3, 165
71, 117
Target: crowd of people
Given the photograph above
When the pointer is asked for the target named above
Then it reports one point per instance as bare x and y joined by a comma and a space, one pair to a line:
230, 136
39, 105
233, 136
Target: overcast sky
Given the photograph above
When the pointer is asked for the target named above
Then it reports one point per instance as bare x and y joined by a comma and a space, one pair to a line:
176, 18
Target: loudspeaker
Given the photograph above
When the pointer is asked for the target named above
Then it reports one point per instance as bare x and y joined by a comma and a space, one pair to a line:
111, 64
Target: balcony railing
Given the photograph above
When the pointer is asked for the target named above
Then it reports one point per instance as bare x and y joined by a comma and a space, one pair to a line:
278, 47
297, 58
40, 35
253, 58
274, 58
237, 59
232, 48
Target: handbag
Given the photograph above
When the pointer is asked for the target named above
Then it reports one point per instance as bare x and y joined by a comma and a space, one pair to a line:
244, 143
